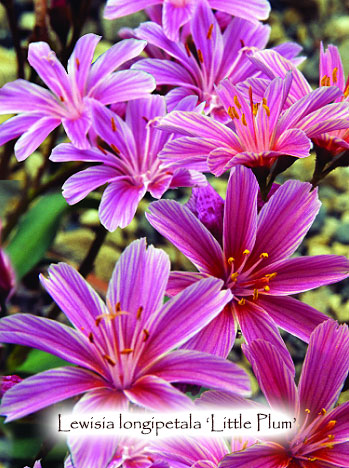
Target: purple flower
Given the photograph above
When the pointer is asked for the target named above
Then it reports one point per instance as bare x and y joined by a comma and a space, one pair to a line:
175, 13
37, 464
249, 251
41, 111
322, 437
122, 350
216, 56
7, 382
262, 131
130, 165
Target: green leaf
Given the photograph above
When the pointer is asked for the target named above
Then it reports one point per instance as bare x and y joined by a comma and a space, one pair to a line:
39, 361
35, 233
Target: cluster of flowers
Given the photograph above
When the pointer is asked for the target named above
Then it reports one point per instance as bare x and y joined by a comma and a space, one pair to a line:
231, 105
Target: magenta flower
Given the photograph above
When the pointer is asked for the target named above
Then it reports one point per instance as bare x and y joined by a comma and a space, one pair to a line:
130, 165
7, 382
249, 251
37, 464
262, 131
322, 437
217, 56
122, 350
68, 101
176, 13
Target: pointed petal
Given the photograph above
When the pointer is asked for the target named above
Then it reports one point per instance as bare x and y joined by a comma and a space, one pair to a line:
67, 152
195, 367
15, 126
217, 337
187, 178
189, 152
174, 325
253, 10
119, 203
299, 274
167, 72
325, 367
148, 268
50, 69
82, 183
174, 16
340, 430
292, 315
124, 85
118, 8
257, 456
79, 302
180, 280
284, 221
273, 375
112, 59
339, 457
23, 96
188, 234
55, 338
256, 323
47, 388
240, 214
33, 138
154, 393
80, 61
77, 129
329, 61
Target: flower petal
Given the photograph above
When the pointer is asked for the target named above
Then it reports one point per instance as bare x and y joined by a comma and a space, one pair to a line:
82, 183
55, 338
257, 456
195, 367
325, 367
284, 220
339, 457
15, 126
80, 61
124, 85
295, 275
292, 315
240, 215
174, 16
188, 152
180, 280
47, 388
156, 394
256, 323
274, 376
35, 135
119, 203
167, 72
181, 227
183, 316
77, 129
217, 337
253, 10
118, 8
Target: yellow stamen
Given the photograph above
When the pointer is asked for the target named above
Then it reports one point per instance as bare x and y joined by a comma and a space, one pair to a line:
264, 255
307, 410
231, 260
330, 436
146, 334
235, 112
346, 91
267, 110
246, 252
242, 301
61, 98
113, 124
237, 103
323, 80
77, 61
264, 101
231, 113
270, 275
126, 351
243, 120
109, 360
322, 412
200, 56
331, 424
255, 109
334, 75
245, 445
255, 294
234, 276
209, 32
139, 312
266, 288
312, 459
